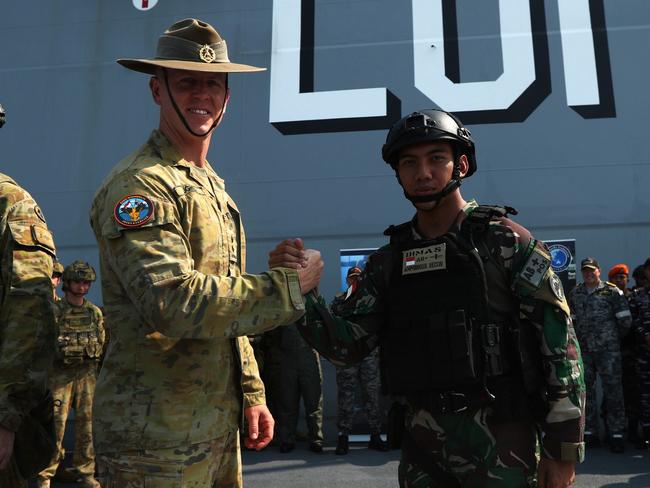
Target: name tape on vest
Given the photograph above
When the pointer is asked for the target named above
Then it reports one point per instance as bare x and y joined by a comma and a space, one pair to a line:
424, 259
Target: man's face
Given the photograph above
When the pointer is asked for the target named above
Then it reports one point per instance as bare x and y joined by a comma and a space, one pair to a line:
56, 280
620, 280
591, 276
77, 288
426, 168
201, 98
352, 279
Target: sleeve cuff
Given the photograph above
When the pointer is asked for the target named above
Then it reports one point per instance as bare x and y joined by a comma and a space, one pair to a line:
253, 399
564, 451
295, 295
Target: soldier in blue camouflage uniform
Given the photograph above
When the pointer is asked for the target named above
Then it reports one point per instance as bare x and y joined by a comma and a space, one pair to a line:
475, 334
640, 308
601, 317
348, 378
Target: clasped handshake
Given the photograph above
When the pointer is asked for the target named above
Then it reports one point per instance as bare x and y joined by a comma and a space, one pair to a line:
291, 253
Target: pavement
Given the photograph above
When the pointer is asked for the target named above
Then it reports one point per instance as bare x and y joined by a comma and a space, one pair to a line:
363, 468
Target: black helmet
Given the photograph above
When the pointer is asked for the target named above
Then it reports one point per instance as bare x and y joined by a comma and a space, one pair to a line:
429, 125
2, 116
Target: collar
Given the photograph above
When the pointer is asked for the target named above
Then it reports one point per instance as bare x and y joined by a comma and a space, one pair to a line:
466, 210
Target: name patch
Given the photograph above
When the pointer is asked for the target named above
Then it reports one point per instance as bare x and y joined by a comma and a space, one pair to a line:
432, 258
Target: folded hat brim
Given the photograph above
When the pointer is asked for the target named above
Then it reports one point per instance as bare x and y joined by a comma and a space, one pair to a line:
149, 66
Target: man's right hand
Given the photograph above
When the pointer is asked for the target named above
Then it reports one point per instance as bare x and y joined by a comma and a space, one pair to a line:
291, 253
6, 446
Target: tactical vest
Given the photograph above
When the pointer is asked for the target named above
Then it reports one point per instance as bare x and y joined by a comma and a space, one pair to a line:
80, 337
448, 331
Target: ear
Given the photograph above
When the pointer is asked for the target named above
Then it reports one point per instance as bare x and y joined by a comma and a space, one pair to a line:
154, 86
464, 165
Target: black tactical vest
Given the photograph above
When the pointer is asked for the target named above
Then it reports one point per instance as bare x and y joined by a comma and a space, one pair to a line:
451, 312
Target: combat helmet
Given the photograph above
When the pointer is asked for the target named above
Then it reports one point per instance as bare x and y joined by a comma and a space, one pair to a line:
430, 125
2, 116
57, 269
79, 271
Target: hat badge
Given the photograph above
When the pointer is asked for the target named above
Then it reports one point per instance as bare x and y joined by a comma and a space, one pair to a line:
207, 54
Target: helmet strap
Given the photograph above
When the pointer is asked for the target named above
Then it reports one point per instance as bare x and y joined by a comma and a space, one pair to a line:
180, 116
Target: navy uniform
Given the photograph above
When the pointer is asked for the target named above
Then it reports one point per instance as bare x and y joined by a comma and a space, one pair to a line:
601, 318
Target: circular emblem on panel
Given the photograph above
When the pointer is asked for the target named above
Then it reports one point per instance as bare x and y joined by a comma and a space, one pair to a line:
560, 257
207, 54
133, 211
556, 287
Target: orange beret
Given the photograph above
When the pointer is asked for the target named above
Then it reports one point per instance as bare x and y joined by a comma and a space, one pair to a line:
618, 269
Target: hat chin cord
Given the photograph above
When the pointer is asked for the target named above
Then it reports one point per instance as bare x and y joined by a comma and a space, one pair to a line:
180, 115
450, 187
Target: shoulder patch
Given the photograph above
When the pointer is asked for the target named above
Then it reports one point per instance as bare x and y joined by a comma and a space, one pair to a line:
133, 211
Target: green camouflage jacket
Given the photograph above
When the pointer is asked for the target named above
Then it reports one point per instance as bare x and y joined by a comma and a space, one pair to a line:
26, 306
357, 321
178, 304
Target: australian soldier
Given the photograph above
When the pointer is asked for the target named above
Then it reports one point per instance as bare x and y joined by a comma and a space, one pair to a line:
26, 318
79, 344
179, 371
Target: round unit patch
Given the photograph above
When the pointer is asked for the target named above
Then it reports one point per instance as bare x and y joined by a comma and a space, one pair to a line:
560, 257
556, 287
133, 211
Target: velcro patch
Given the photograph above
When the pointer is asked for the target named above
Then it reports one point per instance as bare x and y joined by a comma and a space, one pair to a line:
421, 260
535, 268
133, 211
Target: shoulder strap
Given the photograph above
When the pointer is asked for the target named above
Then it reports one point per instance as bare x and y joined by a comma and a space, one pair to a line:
399, 234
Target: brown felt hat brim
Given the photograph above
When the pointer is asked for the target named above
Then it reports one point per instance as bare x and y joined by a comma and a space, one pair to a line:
149, 66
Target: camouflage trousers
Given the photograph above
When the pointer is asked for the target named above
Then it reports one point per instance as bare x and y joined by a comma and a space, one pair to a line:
607, 364
643, 373
467, 450
366, 373
74, 387
213, 464
10, 477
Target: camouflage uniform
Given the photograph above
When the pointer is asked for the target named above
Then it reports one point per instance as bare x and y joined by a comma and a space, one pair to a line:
365, 373
473, 447
300, 376
26, 310
81, 339
178, 304
601, 318
640, 309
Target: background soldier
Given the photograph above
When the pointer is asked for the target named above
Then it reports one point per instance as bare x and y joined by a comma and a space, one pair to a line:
366, 374
26, 316
640, 308
602, 317
301, 376
472, 323
180, 371
79, 348
638, 274
57, 275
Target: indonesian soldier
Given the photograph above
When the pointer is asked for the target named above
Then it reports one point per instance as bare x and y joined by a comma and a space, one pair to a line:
640, 308
366, 374
179, 371
473, 327
602, 317
79, 347
26, 319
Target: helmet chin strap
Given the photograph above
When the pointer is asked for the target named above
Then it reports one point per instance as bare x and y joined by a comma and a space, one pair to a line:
178, 111
450, 187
